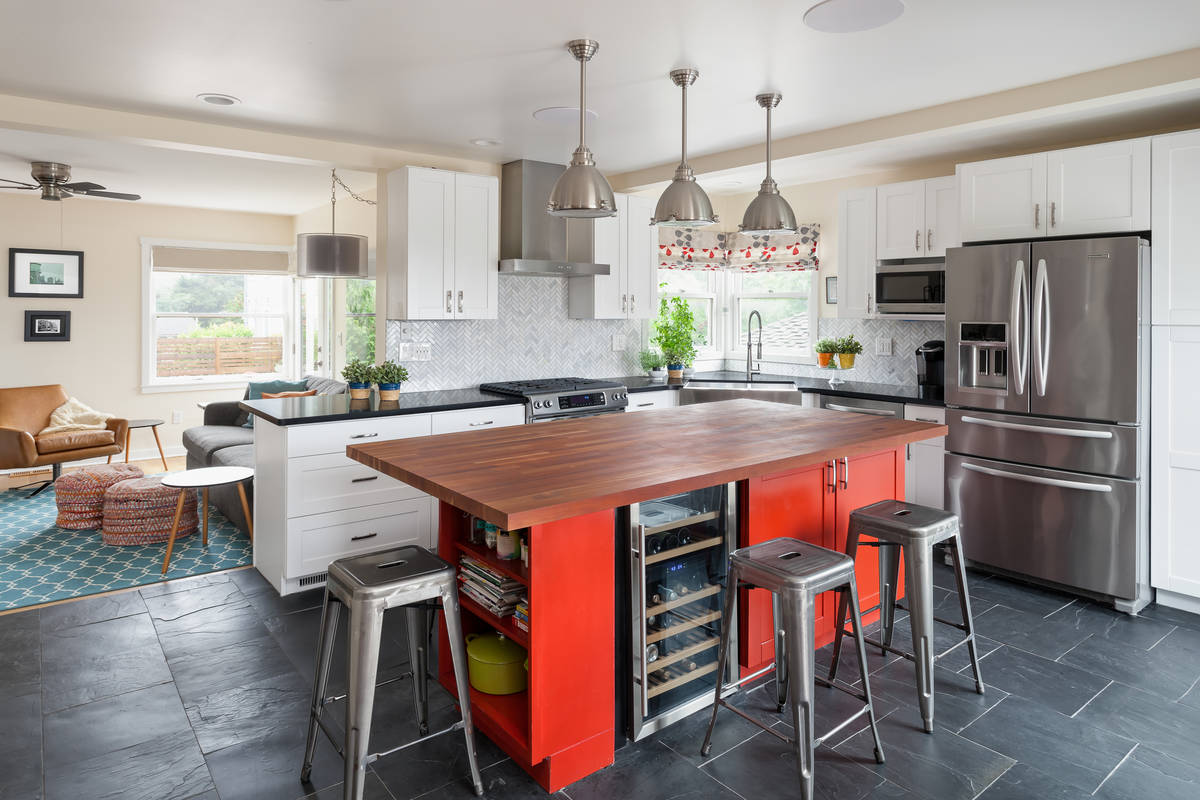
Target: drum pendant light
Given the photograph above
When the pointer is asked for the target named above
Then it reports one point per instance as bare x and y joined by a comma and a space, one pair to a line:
768, 212
332, 255
581, 191
684, 204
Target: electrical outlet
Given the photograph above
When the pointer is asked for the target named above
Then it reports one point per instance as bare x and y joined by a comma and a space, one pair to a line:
618, 342
883, 347
176, 417
422, 351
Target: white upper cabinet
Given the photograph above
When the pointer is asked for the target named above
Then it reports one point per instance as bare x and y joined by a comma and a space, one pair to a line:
443, 244
856, 253
941, 215
916, 219
1102, 188
628, 244
1175, 254
1004, 198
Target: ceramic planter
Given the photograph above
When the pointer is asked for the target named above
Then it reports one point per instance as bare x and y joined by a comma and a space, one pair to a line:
360, 391
389, 391
688, 372
823, 359
658, 374
846, 360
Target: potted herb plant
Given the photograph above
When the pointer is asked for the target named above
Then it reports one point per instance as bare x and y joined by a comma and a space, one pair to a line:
389, 375
655, 365
358, 374
825, 348
847, 348
675, 334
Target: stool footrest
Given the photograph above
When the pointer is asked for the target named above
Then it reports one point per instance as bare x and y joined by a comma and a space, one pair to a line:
758, 723
457, 726
954, 647
841, 686
336, 697
821, 739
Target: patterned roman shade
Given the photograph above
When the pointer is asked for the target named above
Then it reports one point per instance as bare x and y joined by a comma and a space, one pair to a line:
705, 249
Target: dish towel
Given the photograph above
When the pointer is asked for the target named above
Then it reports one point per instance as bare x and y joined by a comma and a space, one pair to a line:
75, 416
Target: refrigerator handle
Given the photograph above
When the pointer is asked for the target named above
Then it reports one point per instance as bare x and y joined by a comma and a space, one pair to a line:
1041, 328
1020, 332
1056, 482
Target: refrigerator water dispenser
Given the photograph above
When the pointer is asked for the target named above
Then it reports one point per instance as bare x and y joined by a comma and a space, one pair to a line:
983, 356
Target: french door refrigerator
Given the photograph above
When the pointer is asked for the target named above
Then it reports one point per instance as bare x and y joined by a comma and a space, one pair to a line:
1047, 359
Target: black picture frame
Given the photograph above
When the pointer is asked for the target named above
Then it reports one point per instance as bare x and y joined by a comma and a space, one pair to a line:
15, 255
831, 290
56, 329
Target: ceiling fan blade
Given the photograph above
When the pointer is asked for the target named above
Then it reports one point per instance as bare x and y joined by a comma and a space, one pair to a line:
81, 186
113, 195
19, 184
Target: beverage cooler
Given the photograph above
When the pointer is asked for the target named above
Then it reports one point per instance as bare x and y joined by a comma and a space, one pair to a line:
679, 555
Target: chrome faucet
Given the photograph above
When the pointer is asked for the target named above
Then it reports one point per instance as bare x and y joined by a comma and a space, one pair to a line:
750, 343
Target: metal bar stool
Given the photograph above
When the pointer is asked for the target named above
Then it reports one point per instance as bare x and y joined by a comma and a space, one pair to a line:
795, 572
915, 530
368, 585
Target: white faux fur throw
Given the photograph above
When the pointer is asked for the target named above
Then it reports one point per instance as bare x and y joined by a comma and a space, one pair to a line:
75, 416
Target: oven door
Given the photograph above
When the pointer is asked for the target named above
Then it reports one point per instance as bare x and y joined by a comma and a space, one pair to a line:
910, 289
578, 415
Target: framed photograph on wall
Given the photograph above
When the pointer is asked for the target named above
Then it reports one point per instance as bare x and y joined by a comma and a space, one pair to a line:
47, 326
831, 290
45, 273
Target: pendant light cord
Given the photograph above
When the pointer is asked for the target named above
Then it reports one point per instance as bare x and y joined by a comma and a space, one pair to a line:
334, 182
582, 104
683, 157
769, 108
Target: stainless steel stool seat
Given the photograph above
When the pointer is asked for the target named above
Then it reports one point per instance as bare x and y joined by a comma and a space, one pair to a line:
913, 530
795, 572
367, 585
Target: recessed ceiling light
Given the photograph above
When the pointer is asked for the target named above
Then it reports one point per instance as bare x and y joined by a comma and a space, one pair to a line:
486, 142
217, 99
562, 115
852, 16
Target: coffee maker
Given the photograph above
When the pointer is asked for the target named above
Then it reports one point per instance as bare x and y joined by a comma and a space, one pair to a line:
931, 369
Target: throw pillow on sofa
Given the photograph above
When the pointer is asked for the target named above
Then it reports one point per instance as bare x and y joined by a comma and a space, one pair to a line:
277, 395
255, 391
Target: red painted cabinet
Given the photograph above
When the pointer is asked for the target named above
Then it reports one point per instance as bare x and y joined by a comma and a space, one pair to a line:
812, 504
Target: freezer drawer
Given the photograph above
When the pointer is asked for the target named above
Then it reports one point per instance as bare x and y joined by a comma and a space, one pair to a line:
1072, 529
1077, 446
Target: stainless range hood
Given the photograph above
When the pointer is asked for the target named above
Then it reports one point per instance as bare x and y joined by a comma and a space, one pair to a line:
531, 241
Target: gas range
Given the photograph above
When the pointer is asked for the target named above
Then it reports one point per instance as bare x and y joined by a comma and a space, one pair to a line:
563, 398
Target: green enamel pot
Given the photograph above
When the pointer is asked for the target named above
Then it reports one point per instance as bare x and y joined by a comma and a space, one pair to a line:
496, 664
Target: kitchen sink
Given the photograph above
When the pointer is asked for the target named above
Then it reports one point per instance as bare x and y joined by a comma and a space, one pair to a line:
753, 386
710, 391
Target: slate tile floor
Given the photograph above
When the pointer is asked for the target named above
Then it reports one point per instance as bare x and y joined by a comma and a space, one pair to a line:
198, 688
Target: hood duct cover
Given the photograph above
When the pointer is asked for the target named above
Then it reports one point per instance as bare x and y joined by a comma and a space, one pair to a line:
533, 242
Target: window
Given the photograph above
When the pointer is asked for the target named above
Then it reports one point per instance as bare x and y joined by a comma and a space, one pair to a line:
787, 303
356, 333
701, 290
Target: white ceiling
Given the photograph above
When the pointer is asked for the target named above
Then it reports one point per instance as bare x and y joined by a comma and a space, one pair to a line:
433, 75
177, 177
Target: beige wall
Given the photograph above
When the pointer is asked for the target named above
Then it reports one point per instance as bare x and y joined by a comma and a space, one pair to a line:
101, 365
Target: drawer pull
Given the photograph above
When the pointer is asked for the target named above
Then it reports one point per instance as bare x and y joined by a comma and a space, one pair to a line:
927, 419
364, 436
364, 480
480, 424
644, 405
364, 536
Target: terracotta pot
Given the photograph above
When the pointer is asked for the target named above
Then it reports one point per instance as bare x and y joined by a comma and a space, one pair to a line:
823, 359
846, 360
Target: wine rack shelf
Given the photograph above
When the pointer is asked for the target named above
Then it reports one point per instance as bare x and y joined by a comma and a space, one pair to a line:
682, 523
685, 652
691, 597
667, 684
694, 622
683, 550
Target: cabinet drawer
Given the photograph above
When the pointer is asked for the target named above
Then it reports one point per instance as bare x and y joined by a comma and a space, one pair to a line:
315, 541
932, 414
332, 437
651, 401
473, 419
331, 482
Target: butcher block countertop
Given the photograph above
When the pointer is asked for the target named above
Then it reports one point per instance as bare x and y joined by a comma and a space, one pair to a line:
532, 474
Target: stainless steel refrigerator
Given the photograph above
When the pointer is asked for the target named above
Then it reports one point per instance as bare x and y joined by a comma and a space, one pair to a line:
1047, 394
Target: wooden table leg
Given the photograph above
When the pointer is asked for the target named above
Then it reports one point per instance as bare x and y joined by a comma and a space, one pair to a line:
162, 455
174, 529
204, 500
127, 432
246, 510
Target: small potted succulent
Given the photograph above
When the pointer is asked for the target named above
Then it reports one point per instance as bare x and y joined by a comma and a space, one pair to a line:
655, 365
389, 375
847, 348
358, 374
675, 334
825, 348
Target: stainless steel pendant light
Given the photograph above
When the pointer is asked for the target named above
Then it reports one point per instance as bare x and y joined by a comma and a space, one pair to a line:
581, 191
684, 204
768, 212
332, 255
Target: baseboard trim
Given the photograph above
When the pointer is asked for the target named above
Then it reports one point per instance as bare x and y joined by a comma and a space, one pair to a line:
1175, 600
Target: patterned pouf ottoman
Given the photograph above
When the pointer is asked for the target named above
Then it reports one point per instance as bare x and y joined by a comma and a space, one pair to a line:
140, 511
80, 495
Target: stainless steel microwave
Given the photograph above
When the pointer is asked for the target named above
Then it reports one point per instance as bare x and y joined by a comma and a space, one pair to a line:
910, 288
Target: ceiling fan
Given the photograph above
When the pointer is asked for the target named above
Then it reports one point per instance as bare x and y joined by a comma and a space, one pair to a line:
52, 180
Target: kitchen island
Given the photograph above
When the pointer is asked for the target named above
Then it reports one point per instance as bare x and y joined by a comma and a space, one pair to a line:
799, 473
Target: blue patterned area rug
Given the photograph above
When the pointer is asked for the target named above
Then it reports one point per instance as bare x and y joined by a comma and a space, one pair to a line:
40, 562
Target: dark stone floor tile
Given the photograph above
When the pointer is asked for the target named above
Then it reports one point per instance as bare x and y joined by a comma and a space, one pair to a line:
103, 659
943, 576
945, 637
1062, 687
504, 781
1021, 596
373, 790
687, 735
166, 768
1148, 773
183, 584
650, 771
208, 629
1028, 631
1023, 782
21, 747
250, 712
250, 581
942, 766
432, 763
269, 768
1170, 728
1074, 752
956, 704
115, 723
1106, 623
20, 654
270, 604
831, 708
1174, 616
209, 795
239, 664
297, 635
766, 767
174, 606
92, 609
1192, 698
1169, 669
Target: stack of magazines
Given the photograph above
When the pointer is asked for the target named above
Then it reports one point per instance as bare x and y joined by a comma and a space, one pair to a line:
494, 591
522, 613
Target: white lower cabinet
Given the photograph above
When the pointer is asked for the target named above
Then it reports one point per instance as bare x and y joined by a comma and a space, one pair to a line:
652, 401
316, 540
925, 470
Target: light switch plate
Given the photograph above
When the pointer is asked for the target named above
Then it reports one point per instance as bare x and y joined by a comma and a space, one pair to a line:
618, 342
176, 417
406, 331
883, 347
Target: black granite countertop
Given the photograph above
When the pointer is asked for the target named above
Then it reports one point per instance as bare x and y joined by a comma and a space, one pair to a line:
861, 389
339, 407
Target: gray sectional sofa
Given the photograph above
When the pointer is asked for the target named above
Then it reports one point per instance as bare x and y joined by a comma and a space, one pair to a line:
223, 441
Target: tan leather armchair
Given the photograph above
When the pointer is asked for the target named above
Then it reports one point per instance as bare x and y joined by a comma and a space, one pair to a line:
26, 410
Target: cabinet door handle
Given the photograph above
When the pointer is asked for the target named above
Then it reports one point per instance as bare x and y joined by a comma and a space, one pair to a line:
364, 436
632, 303
868, 302
845, 472
449, 302
364, 536
929, 240
364, 480
460, 301
917, 240
624, 304
832, 485
908, 452
480, 424
1052, 220
1037, 216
